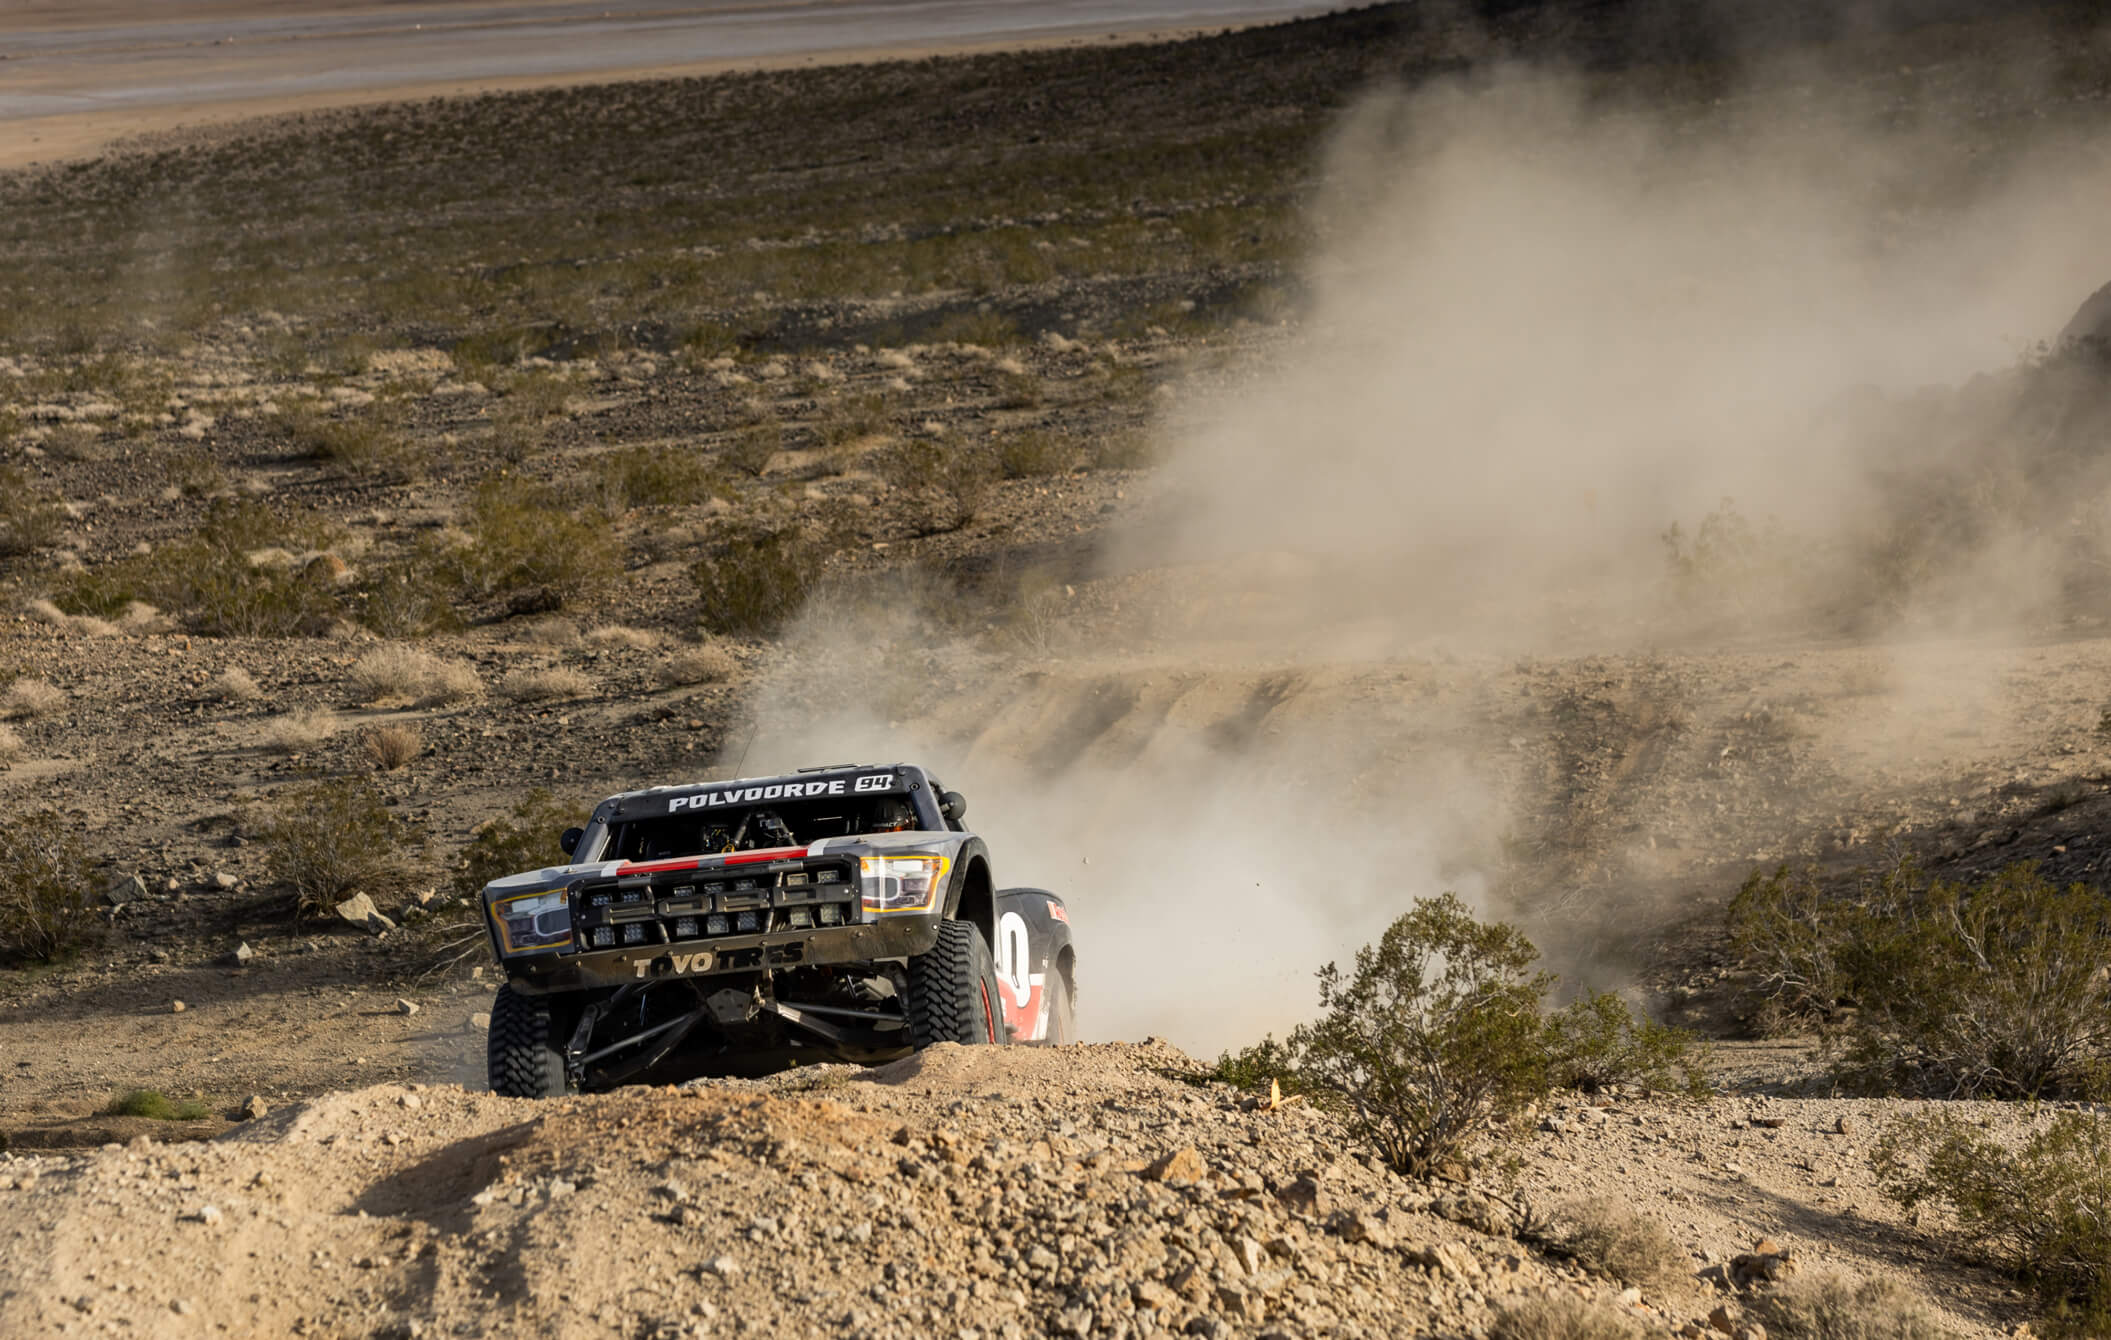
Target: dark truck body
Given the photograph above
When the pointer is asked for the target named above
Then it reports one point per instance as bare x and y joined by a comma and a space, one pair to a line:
741, 925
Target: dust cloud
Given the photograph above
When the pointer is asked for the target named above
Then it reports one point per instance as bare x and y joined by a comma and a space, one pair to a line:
1539, 331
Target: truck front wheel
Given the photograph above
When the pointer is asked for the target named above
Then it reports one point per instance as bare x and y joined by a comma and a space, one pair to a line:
525, 1053
953, 990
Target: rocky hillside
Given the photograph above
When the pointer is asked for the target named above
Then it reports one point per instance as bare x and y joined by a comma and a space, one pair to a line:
965, 1192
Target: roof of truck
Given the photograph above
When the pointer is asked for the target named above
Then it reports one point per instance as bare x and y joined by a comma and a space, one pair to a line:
616, 802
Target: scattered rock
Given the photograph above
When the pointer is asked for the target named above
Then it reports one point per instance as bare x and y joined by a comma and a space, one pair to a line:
254, 1107
177, 1007
406, 1007
1182, 1165
480, 1022
124, 889
359, 910
243, 953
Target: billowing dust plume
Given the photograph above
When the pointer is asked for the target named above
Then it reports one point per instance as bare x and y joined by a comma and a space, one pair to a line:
1539, 333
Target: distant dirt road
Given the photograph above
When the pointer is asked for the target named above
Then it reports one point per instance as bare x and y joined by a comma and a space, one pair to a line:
74, 77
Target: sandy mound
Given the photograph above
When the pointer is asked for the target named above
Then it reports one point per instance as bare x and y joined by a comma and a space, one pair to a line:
963, 1192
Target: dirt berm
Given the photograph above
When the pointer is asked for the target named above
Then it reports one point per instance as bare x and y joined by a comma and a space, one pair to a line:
964, 1192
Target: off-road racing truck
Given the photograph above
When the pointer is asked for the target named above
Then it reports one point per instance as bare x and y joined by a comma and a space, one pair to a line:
841, 913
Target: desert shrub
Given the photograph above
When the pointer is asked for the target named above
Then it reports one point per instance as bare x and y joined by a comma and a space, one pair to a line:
193, 472
755, 580
523, 839
1030, 454
1017, 388
235, 685
848, 419
326, 841
1606, 1236
657, 477
706, 664
545, 685
2041, 1208
954, 482
410, 597
45, 910
1561, 1317
526, 544
531, 398
155, 1106
213, 582
10, 745
367, 443
1435, 1038
2000, 989
616, 635
406, 674
1255, 1068
753, 446
1730, 560
299, 732
1126, 450
1440, 1037
1833, 1306
552, 632
1598, 1043
983, 328
30, 519
391, 747
30, 698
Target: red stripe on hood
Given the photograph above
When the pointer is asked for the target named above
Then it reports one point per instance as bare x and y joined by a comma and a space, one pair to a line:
711, 862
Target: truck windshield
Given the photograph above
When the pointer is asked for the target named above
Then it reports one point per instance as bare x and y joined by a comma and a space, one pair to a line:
777, 823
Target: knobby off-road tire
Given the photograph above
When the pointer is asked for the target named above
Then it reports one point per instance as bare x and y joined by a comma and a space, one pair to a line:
953, 990
525, 1053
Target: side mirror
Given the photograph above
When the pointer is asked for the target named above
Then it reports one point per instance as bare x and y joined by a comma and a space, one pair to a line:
569, 839
953, 805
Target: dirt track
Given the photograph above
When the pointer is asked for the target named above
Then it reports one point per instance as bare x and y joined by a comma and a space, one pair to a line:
966, 1192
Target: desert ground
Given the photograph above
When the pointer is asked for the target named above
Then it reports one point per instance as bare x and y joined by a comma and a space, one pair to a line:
1546, 453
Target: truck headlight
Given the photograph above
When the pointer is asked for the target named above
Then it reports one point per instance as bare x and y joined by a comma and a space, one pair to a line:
533, 921
901, 883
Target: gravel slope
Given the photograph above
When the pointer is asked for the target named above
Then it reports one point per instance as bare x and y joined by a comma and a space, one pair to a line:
964, 1192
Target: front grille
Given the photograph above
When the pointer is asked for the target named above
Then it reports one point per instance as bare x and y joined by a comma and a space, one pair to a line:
688, 905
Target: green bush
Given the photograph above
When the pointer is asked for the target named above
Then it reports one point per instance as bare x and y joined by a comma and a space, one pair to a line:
1440, 1037
1598, 1043
326, 841
2000, 989
214, 584
755, 581
30, 519
365, 444
411, 596
2041, 1209
1435, 1039
155, 1105
527, 545
954, 483
1255, 1068
655, 477
1031, 454
752, 447
45, 908
524, 839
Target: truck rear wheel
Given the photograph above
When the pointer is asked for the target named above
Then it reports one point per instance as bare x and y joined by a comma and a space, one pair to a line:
525, 1053
953, 990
